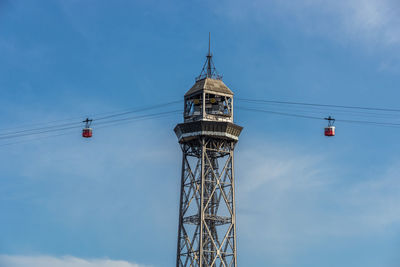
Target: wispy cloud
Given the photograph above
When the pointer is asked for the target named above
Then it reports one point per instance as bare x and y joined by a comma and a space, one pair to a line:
374, 21
296, 200
94, 188
68, 261
368, 22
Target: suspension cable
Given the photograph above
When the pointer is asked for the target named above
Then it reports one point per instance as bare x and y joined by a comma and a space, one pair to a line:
317, 105
54, 129
109, 115
387, 124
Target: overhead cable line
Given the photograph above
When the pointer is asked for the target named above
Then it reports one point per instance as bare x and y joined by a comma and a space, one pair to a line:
11, 136
322, 110
102, 125
305, 110
317, 105
139, 117
109, 115
41, 128
37, 138
387, 124
137, 110
120, 122
36, 133
280, 113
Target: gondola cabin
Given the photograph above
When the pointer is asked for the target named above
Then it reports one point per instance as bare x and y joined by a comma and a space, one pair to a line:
87, 132
330, 131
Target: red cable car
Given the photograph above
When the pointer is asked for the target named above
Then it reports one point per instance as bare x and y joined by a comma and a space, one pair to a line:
330, 130
87, 132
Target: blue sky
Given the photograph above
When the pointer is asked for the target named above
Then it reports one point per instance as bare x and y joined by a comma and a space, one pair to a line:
302, 199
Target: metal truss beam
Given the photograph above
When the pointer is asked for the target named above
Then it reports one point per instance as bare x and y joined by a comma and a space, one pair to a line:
207, 225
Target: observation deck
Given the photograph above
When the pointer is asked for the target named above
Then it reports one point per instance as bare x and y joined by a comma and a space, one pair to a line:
208, 112
190, 130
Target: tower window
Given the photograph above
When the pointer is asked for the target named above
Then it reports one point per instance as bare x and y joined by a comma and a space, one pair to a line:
218, 105
193, 105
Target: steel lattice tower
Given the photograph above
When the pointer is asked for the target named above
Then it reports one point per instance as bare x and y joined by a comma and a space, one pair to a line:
207, 223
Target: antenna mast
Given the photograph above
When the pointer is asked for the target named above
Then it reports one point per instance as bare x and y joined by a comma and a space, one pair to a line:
209, 57
209, 70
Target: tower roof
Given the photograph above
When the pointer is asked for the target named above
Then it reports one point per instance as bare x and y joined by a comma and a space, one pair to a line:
209, 85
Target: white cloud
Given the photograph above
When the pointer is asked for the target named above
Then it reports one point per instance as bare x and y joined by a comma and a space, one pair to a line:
68, 261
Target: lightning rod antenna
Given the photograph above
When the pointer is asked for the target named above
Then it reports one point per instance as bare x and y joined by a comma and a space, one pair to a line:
209, 56
208, 70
